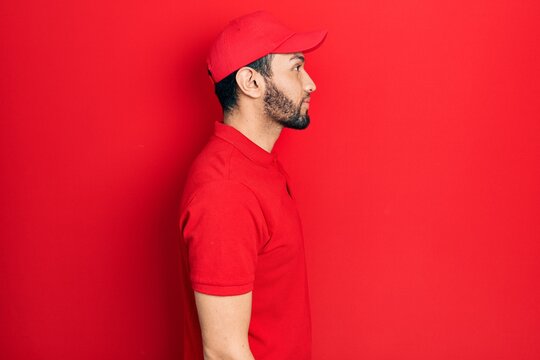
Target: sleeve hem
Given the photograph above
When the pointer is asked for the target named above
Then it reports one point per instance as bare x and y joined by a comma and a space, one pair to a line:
222, 290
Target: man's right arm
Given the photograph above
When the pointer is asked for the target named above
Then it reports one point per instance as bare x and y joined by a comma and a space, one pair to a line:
224, 322
223, 227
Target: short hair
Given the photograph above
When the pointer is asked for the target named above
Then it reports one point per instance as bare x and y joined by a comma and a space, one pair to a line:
227, 89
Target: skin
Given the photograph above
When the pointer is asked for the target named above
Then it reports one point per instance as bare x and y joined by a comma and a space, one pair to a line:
265, 107
224, 322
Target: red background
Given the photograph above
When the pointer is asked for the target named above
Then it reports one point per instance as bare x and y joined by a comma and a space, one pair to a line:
417, 181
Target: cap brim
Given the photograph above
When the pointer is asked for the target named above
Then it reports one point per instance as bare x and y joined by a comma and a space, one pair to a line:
302, 41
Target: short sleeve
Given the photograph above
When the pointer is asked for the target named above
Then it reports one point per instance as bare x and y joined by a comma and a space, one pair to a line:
223, 227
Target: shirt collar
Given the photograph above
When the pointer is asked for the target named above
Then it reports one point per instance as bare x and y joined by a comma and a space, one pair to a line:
244, 144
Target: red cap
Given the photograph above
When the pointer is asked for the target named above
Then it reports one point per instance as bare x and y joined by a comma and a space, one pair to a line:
252, 36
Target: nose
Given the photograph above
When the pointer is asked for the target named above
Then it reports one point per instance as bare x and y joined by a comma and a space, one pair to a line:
309, 85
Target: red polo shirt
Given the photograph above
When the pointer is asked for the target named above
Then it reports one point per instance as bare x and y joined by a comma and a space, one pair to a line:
241, 232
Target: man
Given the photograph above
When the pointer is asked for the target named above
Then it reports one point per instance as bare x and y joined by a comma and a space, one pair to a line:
242, 244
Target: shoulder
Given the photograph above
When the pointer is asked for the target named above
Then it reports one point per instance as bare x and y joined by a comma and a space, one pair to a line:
212, 162
224, 208
221, 201
218, 166
223, 190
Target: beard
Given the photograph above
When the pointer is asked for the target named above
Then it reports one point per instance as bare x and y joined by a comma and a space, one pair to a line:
283, 110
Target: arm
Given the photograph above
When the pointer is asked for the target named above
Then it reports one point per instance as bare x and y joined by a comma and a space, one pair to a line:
224, 324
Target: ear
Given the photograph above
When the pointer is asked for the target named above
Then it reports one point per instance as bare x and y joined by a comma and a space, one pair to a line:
250, 82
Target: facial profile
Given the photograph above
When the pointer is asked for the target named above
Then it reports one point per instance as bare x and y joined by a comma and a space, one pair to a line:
288, 73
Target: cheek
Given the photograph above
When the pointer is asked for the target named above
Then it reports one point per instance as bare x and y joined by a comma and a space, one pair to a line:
291, 86
295, 88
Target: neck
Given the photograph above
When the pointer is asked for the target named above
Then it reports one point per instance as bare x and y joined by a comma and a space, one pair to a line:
256, 127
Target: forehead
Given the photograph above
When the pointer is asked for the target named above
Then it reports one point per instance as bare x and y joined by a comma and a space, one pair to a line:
284, 60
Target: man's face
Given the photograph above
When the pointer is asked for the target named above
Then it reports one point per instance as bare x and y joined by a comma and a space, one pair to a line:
287, 93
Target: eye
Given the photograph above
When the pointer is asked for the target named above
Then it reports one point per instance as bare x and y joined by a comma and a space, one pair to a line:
297, 67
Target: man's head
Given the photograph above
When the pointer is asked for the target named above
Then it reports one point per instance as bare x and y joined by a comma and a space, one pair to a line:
277, 85
257, 66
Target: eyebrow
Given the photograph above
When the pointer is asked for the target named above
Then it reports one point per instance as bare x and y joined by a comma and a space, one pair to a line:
297, 56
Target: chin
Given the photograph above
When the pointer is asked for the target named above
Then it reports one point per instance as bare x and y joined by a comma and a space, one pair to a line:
297, 124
